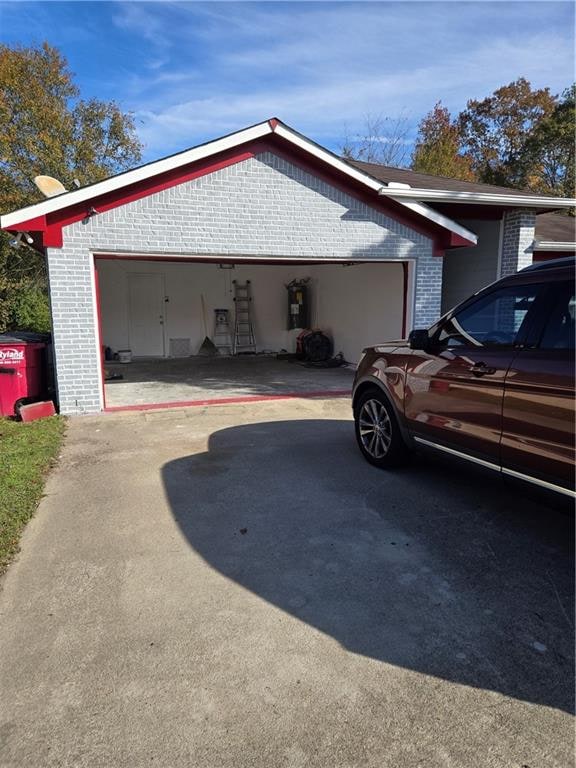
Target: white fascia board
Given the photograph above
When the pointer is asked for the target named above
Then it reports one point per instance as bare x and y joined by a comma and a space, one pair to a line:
131, 177
484, 198
552, 245
327, 157
443, 221
373, 184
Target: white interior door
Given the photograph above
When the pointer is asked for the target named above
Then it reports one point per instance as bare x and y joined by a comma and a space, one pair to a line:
146, 312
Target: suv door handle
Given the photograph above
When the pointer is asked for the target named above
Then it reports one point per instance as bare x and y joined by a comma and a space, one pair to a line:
481, 369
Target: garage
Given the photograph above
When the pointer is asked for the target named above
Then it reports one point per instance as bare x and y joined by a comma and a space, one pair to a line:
156, 313
139, 263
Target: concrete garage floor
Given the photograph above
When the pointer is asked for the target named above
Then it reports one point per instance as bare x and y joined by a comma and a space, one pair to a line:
234, 586
206, 378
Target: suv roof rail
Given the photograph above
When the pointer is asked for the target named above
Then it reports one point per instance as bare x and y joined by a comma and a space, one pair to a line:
565, 261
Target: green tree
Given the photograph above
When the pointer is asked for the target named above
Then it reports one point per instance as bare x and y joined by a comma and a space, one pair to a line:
548, 157
495, 131
438, 147
46, 128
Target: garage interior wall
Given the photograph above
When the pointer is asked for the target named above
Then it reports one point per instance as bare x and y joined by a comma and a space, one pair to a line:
357, 305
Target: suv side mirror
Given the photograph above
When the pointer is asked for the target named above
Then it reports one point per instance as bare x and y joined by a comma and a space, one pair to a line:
419, 339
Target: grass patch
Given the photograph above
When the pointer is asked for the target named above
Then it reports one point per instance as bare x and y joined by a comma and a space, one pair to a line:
26, 453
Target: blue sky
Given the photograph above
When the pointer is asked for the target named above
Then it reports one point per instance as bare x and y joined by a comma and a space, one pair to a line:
194, 71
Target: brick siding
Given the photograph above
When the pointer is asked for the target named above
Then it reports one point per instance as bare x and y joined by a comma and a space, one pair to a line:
517, 241
264, 206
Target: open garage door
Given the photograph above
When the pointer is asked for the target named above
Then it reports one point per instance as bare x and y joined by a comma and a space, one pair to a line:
155, 313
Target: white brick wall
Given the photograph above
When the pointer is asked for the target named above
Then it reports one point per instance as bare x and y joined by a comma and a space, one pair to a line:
263, 206
517, 241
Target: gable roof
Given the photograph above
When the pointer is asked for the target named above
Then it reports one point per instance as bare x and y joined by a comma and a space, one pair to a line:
375, 180
41, 216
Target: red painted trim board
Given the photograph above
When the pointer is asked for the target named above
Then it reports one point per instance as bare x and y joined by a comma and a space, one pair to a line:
52, 227
99, 331
229, 400
241, 260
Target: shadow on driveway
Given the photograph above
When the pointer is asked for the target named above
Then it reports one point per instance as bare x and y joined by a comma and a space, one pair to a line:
435, 568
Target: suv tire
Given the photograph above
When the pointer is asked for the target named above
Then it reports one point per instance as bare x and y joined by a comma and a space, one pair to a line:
377, 431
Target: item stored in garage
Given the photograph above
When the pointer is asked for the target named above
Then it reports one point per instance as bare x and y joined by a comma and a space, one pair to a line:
207, 347
298, 304
222, 335
244, 341
314, 346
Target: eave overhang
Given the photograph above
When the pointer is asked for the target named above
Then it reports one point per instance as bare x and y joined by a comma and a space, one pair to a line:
552, 245
484, 198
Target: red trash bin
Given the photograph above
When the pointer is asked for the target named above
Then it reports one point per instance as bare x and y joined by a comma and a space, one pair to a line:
22, 373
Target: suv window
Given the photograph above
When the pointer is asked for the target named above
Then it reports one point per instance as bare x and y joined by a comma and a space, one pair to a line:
559, 329
493, 320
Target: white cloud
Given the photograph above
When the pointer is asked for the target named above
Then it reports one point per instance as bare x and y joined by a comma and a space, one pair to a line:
142, 20
323, 65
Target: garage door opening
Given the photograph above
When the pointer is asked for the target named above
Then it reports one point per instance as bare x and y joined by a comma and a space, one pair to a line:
156, 313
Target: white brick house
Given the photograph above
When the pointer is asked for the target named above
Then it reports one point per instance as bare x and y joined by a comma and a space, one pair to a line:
277, 207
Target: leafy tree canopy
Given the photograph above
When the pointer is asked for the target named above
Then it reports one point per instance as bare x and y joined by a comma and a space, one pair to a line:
494, 131
517, 137
438, 145
548, 162
46, 128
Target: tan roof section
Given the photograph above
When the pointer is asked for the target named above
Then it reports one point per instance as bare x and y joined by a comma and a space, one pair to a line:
387, 173
555, 228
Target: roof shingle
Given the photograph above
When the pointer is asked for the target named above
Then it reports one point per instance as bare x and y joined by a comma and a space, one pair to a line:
555, 228
387, 173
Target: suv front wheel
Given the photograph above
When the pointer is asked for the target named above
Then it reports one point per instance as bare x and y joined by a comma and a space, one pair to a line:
377, 431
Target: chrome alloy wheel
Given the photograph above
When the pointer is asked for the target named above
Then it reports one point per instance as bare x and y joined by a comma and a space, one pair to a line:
375, 428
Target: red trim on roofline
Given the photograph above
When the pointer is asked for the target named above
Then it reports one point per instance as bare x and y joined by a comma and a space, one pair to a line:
457, 240
469, 211
37, 224
52, 224
547, 255
102, 203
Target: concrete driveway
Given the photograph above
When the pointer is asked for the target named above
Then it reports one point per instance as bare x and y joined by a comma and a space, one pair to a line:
234, 586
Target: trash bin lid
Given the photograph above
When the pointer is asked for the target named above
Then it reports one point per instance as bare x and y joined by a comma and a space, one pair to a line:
24, 337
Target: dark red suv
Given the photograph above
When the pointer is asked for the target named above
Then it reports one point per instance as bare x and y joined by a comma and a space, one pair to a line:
491, 382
